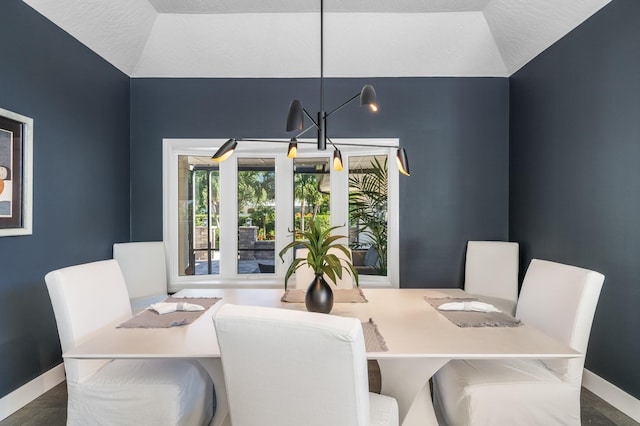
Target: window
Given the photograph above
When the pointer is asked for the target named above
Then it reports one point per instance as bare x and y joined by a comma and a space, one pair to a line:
225, 223
200, 217
368, 213
311, 185
256, 197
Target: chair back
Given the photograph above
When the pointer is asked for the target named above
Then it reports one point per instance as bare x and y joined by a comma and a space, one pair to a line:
86, 298
491, 269
144, 267
561, 300
304, 274
290, 368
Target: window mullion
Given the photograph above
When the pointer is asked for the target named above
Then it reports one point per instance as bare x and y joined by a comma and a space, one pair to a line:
393, 221
339, 201
228, 218
284, 216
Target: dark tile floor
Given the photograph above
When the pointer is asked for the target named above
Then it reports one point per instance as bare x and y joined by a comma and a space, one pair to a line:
51, 410
595, 411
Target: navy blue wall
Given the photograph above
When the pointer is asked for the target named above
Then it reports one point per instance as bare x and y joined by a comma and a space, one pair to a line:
80, 107
575, 179
454, 129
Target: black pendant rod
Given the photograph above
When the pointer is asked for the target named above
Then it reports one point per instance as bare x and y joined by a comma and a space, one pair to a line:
322, 117
322, 56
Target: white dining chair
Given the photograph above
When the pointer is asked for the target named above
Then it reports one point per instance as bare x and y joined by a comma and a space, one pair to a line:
290, 368
557, 299
304, 274
143, 265
88, 297
491, 273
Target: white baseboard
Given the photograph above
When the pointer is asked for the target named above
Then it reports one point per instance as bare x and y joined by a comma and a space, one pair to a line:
612, 394
26, 393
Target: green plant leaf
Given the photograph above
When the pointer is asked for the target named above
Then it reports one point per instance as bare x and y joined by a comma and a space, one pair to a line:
318, 242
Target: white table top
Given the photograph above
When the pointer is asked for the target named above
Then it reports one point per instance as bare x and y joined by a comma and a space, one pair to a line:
409, 325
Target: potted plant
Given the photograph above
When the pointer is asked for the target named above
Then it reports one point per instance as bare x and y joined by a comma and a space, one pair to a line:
319, 297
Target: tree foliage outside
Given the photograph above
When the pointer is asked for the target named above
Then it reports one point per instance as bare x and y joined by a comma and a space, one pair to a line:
312, 202
265, 218
368, 203
255, 188
256, 192
202, 197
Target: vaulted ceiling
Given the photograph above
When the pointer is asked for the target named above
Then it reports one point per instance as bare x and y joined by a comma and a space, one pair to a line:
281, 38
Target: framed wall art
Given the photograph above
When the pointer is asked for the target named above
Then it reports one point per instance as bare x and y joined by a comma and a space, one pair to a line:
16, 174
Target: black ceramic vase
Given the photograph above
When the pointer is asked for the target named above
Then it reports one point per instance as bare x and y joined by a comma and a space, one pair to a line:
319, 297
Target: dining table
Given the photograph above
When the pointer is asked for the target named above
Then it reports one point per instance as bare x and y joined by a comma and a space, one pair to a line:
417, 339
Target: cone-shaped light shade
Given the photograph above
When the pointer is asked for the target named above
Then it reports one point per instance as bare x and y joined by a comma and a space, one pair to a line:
368, 97
225, 150
292, 152
295, 117
403, 162
337, 160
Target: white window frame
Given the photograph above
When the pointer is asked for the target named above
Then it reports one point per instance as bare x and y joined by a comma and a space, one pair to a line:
228, 277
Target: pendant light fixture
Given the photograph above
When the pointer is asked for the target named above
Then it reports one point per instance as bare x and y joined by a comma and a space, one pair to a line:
296, 118
225, 150
292, 151
337, 160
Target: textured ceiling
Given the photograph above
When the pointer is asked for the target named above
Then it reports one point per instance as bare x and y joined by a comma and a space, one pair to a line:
281, 38
297, 6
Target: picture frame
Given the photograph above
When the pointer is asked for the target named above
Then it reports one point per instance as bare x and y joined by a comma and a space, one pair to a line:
16, 174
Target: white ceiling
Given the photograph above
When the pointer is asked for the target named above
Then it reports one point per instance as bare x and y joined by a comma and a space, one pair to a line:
281, 38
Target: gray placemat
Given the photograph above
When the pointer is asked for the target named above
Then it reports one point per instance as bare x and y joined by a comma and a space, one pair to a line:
473, 319
373, 340
151, 319
340, 295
